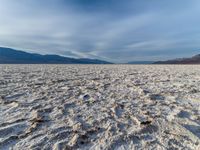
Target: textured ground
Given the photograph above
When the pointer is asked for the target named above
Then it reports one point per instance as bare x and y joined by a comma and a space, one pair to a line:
99, 107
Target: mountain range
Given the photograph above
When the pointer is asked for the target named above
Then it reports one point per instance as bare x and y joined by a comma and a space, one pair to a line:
141, 62
193, 60
12, 56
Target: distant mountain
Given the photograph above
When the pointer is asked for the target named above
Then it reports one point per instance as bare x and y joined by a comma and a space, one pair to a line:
193, 60
11, 56
140, 62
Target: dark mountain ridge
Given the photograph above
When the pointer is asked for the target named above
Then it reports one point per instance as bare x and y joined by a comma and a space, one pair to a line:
12, 56
193, 60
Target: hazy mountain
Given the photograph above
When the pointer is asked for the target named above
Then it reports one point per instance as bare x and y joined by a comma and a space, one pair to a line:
11, 56
193, 60
140, 62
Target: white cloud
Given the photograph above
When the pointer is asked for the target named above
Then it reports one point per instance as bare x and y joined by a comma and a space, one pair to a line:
150, 29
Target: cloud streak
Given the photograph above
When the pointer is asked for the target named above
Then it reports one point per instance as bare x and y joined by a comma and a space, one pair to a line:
118, 31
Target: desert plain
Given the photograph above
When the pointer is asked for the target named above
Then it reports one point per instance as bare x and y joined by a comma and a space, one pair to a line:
141, 107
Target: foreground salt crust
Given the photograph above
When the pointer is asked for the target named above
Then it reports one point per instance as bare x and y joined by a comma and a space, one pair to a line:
99, 107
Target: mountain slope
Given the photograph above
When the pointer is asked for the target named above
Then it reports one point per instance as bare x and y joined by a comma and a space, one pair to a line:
11, 56
193, 60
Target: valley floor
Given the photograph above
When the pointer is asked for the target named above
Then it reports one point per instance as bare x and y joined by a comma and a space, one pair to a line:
99, 107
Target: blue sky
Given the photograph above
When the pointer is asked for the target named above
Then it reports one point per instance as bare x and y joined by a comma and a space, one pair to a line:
112, 30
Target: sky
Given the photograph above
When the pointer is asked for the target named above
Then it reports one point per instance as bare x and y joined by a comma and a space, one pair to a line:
113, 30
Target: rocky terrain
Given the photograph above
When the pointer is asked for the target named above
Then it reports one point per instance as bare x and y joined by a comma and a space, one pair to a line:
99, 107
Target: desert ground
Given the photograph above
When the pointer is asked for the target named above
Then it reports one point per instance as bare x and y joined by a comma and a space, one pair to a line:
141, 107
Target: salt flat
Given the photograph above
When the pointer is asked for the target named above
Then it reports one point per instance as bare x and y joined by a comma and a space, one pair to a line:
99, 107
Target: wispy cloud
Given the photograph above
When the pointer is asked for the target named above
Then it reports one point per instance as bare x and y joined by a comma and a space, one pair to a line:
118, 31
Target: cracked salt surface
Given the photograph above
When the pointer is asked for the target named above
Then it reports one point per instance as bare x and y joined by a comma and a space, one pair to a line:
99, 107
